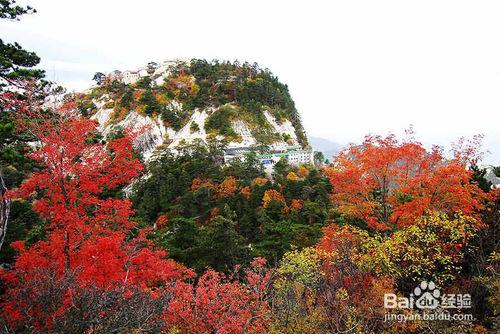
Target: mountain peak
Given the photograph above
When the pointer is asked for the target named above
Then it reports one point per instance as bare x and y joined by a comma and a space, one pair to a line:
181, 101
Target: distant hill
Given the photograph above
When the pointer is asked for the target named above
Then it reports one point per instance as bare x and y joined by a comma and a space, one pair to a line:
182, 101
328, 147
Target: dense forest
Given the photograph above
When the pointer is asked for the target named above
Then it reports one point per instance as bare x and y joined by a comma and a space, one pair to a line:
95, 241
219, 216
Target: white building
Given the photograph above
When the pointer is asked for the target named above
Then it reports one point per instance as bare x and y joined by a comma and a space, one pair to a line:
300, 157
295, 155
158, 76
130, 77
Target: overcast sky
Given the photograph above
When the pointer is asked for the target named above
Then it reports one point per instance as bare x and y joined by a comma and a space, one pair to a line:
353, 67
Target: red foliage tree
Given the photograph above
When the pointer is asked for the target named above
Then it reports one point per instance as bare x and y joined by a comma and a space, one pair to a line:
89, 231
389, 183
218, 304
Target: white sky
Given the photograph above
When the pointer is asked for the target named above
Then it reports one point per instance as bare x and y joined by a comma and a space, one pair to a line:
353, 67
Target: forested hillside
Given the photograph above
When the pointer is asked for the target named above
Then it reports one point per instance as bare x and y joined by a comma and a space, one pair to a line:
219, 216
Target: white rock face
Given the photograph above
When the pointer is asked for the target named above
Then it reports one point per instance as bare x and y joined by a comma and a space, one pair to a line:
151, 135
490, 176
185, 134
242, 129
102, 116
285, 127
153, 132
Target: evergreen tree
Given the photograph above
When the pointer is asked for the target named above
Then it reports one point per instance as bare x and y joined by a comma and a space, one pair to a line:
220, 246
16, 64
99, 77
152, 105
16, 67
478, 177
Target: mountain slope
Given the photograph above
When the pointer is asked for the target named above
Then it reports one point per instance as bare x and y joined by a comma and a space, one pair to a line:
178, 102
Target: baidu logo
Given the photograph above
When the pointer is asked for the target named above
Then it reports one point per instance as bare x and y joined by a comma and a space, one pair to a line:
427, 297
427, 294
433, 305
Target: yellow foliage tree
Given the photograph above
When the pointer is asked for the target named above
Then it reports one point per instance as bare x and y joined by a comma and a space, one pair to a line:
272, 195
292, 176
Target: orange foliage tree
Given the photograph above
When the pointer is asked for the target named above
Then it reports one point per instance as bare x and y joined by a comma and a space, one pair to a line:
389, 183
228, 187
